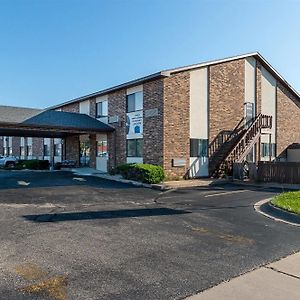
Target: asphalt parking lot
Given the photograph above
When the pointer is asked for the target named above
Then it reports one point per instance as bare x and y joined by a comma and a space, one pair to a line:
69, 237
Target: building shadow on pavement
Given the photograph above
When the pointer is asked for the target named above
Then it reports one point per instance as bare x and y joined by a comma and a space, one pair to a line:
109, 214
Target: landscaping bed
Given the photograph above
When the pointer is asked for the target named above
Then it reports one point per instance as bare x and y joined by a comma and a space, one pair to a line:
289, 201
145, 173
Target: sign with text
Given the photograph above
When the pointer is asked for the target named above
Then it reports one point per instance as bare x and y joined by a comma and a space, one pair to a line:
134, 125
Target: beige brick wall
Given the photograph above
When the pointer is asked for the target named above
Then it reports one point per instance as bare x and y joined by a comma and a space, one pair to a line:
288, 119
176, 128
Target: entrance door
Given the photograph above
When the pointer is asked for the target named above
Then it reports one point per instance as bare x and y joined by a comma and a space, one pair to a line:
84, 153
102, 153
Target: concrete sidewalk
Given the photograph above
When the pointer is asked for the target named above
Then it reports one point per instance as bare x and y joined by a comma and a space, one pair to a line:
278, 280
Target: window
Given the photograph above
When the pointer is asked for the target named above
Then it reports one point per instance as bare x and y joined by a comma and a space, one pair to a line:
135, 148
134, 102
102, 148
46, 150
198, 148
29, 150
57, 149
265, 149
102, 109
22, 150
7, 151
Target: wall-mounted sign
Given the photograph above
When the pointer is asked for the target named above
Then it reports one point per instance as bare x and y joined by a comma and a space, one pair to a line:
134, 125
178, 162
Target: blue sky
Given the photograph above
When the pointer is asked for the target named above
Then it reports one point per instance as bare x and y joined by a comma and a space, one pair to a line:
55, 50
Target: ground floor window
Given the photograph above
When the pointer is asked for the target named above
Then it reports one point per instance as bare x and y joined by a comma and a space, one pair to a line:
198, 147
46, 150
57, 149
7, 151
268, 150
29, 150
135, 148
22, 150
101, 148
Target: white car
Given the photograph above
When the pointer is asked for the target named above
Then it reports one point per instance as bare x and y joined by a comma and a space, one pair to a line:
8, 161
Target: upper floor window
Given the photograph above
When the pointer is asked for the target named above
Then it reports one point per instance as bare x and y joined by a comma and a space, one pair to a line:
101, 109
134, 102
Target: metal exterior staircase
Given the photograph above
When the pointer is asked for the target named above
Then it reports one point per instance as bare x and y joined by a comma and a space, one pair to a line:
239, 145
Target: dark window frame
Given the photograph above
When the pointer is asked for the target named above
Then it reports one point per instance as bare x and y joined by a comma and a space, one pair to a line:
101, 115
136, 151
198, 147
134, 99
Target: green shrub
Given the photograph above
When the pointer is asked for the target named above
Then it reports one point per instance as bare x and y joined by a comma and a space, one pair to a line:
33, 164
142, 172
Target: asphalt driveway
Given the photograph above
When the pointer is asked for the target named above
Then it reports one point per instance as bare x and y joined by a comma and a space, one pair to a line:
89, 238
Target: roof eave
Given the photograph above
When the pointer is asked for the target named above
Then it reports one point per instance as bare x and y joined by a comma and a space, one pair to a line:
112, 89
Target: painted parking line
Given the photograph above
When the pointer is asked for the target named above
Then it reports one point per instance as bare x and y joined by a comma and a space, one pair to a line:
24, 183
224, 193
79, 179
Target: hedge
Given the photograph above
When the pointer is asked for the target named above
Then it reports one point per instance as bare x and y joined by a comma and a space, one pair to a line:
142, 172
33, 164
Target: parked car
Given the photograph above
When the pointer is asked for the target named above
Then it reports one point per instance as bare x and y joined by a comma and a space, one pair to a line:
8, 161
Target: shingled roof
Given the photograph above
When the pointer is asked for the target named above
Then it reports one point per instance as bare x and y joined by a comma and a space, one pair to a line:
49, 123
17, 114
65, 120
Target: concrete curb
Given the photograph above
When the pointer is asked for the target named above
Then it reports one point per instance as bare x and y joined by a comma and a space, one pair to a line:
269, 185
279, 215
108, 177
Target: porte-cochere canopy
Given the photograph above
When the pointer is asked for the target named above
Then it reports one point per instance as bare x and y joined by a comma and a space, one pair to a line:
15, 121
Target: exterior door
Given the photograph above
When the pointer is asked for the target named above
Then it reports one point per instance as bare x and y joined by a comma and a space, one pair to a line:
102, 153
84, 153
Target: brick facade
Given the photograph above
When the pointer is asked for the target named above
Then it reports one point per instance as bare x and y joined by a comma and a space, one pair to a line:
72, 148
72, 107
93, 108
37, 147
166, 132
176, 128
1, 145
117, 140
288, 119
16, 142
226, 96
153, 126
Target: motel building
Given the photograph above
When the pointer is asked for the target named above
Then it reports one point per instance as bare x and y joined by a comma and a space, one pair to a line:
189, 120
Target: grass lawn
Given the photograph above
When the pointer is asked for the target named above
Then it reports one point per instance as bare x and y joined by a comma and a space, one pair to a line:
289, 201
